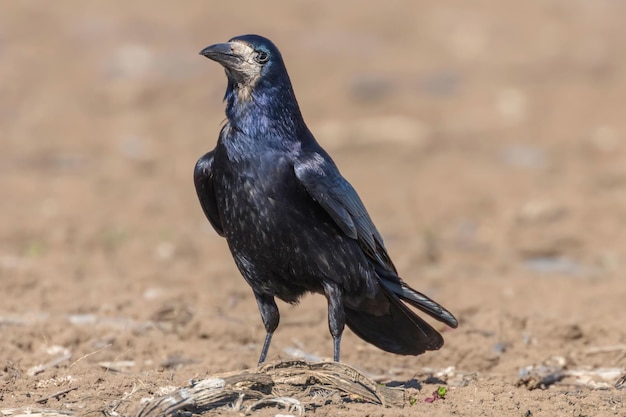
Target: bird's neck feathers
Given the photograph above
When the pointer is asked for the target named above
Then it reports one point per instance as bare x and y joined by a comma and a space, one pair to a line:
268, 105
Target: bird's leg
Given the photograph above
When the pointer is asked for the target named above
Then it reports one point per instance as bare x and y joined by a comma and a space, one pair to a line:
336, 315
266, 346
270, 316
336, 347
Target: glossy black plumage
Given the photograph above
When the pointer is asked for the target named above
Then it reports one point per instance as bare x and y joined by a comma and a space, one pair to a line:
292, 222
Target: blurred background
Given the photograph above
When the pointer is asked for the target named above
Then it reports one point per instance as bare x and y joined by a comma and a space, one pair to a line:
486, 139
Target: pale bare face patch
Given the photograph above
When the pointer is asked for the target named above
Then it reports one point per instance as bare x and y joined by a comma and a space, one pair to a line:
247, 71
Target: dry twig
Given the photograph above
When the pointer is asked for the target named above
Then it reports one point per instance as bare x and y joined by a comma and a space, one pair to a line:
285, 383
56, 395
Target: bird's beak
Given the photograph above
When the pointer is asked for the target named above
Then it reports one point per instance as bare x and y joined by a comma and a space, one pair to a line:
223, 53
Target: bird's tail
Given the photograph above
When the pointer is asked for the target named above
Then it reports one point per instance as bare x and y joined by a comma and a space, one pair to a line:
399, 330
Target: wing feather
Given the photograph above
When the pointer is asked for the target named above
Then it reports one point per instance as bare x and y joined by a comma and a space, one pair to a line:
322, 180
203, 180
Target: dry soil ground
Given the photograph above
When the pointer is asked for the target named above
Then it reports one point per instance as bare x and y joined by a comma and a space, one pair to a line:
486, 138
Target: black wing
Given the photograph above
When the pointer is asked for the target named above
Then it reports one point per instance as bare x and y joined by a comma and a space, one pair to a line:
322, 180
418, 300
203, 179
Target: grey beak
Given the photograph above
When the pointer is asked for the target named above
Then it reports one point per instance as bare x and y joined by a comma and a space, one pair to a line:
222, 53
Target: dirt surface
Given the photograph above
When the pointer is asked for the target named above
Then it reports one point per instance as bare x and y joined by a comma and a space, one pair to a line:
487, 141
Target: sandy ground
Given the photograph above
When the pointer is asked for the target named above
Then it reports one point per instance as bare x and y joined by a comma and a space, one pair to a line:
487, 141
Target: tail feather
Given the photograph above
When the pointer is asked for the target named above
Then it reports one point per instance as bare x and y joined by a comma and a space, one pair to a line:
400, 331
387, 323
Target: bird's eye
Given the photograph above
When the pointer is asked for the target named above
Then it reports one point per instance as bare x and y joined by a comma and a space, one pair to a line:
262, 57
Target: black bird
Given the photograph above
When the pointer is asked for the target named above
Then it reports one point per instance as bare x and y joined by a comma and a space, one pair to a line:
293, 224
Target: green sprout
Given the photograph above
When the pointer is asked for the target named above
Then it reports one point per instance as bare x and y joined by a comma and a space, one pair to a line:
439, 394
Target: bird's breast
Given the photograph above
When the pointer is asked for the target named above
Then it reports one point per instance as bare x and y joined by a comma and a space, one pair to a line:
255, 193
279, 236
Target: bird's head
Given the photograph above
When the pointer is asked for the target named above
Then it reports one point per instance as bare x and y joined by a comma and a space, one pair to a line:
258, 86
247, 60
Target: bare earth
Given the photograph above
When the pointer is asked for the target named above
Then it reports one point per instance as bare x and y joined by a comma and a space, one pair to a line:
487, 139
